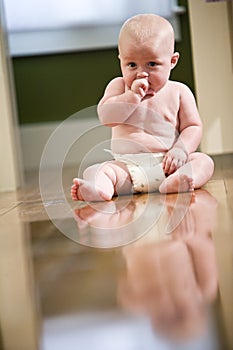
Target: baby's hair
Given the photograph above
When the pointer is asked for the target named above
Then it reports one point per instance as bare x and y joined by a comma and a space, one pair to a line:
144, 26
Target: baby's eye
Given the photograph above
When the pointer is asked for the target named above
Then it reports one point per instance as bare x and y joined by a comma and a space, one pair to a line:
152, 64
132, 64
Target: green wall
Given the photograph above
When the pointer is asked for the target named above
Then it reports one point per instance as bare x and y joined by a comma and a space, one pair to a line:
53, 87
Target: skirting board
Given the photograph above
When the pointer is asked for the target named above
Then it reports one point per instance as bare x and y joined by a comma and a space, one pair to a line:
82, 141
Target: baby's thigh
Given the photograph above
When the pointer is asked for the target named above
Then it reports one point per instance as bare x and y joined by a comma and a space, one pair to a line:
91, 172
201, 157
114, 170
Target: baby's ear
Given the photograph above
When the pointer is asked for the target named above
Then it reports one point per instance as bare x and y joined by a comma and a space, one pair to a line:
174, 59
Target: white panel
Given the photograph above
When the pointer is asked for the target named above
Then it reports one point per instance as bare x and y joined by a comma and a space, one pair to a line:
44, 14
53, 26
212, 57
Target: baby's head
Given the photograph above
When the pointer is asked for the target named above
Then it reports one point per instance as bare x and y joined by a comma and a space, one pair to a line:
146, 50
144, 27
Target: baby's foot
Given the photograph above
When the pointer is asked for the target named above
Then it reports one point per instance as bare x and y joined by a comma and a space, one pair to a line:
86, 191
98, 214
177, 183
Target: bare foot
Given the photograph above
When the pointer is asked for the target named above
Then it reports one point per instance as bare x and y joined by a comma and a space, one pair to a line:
95, 213
176, 183
82, 190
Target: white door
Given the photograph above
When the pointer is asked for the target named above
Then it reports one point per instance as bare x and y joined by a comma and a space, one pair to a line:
10, 152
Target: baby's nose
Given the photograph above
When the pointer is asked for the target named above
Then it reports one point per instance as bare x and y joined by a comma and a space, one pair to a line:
142, 75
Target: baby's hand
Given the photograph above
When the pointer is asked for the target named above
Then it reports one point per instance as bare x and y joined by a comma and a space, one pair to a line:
173, 160
141, 87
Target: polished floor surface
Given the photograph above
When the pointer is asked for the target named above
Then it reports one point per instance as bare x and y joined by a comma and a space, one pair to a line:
139, 272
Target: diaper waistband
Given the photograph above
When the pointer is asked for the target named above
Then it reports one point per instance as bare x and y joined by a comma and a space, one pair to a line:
139, 159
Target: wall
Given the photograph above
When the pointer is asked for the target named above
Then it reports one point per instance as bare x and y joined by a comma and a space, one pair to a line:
211, 33
52, 87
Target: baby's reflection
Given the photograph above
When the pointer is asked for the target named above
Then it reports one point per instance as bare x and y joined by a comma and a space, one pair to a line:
118, 222
105, 215
173, 280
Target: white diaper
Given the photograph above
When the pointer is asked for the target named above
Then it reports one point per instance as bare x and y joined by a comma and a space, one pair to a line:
145, 170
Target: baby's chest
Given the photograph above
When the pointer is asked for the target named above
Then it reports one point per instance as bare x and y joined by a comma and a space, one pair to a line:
167, 105
156, 114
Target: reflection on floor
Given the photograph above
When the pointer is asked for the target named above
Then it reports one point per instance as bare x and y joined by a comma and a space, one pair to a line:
139, 272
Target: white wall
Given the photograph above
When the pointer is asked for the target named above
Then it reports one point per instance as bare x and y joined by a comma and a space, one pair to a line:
211, 35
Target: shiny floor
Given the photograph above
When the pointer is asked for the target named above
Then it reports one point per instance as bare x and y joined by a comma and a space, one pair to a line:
139, 272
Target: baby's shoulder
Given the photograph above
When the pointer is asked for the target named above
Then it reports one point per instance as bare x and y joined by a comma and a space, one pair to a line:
178, 87
118, 81
172, 84
116, 86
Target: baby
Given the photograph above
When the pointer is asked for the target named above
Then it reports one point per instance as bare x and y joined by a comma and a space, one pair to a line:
156, 127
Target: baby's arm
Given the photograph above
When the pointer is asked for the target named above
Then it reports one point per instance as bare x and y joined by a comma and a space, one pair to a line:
120, 101
190, 132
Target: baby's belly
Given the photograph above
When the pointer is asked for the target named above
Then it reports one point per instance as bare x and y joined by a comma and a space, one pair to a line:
139, 142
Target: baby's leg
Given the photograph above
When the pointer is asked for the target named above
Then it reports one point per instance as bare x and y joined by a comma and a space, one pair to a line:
194, 174
101, 182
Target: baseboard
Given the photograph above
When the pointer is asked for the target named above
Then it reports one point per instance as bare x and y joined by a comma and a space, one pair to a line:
38, 139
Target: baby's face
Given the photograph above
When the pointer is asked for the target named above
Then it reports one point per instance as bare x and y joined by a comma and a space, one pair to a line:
151, 60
